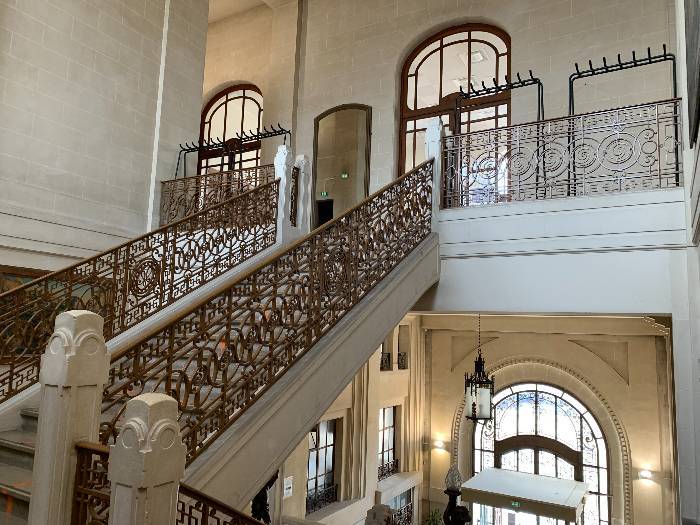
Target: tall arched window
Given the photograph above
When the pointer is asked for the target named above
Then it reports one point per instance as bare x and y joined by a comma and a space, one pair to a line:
432, 76
231, 111
541, 429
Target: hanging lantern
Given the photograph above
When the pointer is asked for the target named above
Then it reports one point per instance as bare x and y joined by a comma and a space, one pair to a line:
478, 388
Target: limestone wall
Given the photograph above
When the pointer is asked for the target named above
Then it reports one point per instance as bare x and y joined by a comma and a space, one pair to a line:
89, 122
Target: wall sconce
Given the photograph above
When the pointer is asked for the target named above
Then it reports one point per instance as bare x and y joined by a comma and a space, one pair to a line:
645, 474
344, 175
439, 444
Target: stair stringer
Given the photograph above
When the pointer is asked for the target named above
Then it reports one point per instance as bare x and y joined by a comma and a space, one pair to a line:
244, 458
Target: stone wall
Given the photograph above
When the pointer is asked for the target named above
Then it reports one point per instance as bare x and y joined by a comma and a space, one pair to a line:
89, 122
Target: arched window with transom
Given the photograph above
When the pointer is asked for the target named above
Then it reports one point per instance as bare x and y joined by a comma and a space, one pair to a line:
542, 429
229, 113
432, 76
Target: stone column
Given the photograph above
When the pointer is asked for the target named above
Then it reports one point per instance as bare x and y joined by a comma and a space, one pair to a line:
283, 171
306, 201
147, 463
433, 150
378, 515
74, 370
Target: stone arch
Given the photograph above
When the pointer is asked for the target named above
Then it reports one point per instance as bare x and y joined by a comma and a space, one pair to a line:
548, 371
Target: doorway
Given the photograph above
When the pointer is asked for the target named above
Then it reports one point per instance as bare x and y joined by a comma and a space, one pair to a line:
341, 160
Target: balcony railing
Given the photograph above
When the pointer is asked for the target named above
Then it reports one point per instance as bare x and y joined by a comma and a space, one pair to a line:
620, 150
127, 284
185, 196
385, 362
318, 498
403, 516
387, 469
224, 354
402, 360
91, 495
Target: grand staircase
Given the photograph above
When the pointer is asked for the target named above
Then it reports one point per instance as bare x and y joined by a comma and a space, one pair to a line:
326, 301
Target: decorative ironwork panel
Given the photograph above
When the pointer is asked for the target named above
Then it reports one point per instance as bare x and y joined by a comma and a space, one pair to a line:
294, 196
620, 150
91, 490
387, 469
185, 196
385, 362
223, 355
403, 360
403, 516
129, 283
320, 498
196, 508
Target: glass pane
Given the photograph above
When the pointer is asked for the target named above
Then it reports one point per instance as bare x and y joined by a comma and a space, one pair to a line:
590, 476
216, 127
509, 460
568, 425
428, 87
455, 73
389, 420
526, 413
589, 446
483, 64
547, 464
329, 459
234, 113
477, 461
322, 434
312, 465
526, 460
487, 459
506, 417
546, 425
565, 470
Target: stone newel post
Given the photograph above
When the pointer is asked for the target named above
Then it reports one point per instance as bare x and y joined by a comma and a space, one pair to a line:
74, 370
283, 171
433, 150
147, 463
378, 515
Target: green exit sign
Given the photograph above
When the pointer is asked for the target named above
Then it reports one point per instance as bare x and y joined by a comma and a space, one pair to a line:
515, 504
324, 194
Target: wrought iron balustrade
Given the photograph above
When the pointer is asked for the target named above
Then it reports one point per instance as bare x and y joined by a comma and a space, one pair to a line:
403, 516
620, 150
402, 360
385, 362
91, 495
185, 196
225, 353
319, 498
127, 284
387, 469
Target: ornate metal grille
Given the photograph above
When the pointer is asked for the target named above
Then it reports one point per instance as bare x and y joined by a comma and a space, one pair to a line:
294, 196
196, 508
91, 490
319, 498
620, 150
185, 196
223, 355
387, 469
385, 362
91, 495
127, 284
403, 360
403, 516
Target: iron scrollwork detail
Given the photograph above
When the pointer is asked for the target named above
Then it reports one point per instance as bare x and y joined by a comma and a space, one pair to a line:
127, 284
620, 150
224, 354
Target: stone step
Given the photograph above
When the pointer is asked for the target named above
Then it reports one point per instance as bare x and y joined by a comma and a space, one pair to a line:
30, 419
17, 449
15, 491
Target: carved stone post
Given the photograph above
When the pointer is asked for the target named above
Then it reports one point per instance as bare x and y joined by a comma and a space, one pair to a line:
283, 171
378, 515
147, 463
433, 150
74, 370
305, 198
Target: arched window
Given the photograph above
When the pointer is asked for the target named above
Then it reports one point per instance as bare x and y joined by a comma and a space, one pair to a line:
231, 111
432, 76
544, 430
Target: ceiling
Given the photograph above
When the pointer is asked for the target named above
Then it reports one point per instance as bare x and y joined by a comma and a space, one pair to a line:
220, 9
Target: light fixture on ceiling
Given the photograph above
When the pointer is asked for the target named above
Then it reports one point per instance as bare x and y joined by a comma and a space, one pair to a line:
477, 56
478, 387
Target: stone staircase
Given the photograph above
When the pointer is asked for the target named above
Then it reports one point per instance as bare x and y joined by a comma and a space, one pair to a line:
16, 462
